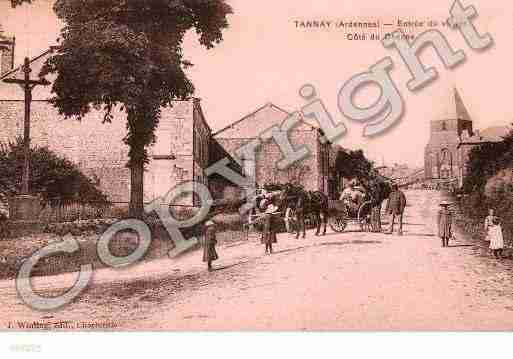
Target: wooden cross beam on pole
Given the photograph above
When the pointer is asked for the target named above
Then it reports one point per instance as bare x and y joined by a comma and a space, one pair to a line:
27, 84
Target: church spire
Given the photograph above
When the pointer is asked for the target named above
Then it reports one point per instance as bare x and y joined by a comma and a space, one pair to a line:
461, 110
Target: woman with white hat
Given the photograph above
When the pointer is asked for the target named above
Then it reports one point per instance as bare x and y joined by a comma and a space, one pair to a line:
444, 223
209, 247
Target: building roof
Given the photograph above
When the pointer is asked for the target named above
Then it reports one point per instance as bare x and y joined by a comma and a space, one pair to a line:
256, 122
453, 107
489, 135
497, 132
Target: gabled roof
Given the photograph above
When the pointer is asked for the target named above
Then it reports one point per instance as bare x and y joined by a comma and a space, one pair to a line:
479, 139
249, 116
251, 125
496, 132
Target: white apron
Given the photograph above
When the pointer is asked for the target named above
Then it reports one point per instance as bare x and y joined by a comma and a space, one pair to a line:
495, 237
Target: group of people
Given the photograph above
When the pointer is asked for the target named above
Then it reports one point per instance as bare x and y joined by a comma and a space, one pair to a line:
492, 227
395, 208
354, 195
268, 238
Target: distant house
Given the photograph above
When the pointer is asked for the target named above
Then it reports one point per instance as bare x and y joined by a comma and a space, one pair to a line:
468, 142
313, 172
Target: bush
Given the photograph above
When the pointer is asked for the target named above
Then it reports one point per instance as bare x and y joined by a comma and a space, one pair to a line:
51, 176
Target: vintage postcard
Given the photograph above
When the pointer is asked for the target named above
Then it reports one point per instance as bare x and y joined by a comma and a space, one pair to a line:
233, 165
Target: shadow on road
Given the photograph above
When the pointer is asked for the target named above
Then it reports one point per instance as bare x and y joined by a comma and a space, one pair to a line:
419, 234
290, 249
230, 266
346, 231
356, 241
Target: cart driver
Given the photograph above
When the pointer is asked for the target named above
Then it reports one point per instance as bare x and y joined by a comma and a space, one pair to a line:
351, 196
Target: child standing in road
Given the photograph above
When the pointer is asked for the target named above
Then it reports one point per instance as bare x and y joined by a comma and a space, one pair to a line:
209, 247
496, 238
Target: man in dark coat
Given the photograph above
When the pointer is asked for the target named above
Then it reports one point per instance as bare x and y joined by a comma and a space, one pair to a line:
269, 229
395, 207
444, 223
209, 247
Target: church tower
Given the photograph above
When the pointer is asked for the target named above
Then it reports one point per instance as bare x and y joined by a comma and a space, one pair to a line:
441, 157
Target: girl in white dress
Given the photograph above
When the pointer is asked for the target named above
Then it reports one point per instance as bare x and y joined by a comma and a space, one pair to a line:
488, 222
496, 238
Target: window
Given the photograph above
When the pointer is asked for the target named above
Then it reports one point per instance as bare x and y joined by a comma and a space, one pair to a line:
444, 126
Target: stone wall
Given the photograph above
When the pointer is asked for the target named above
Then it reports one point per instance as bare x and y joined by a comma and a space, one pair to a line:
201, 136
98, 148
306, 172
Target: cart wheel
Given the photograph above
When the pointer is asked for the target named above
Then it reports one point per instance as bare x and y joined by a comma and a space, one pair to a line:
338, 223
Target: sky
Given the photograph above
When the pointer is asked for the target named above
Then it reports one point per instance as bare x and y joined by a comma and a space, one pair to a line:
266, 58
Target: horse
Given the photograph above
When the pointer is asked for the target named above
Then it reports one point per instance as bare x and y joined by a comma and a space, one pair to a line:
305, 203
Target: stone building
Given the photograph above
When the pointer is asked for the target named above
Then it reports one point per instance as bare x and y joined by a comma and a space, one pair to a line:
181, 152
312, 172
451, 139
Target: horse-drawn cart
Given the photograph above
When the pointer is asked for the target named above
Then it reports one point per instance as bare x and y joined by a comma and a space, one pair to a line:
341, 214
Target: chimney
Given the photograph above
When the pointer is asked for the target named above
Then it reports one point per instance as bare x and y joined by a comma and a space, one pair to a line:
7, 45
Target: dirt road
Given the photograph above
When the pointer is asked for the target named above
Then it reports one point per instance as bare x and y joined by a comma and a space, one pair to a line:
348, 281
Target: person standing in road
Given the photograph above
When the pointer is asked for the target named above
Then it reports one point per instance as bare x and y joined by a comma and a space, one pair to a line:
269, 230
209, 247
489, 222
444, 223
395, 207
289, 220
496, 237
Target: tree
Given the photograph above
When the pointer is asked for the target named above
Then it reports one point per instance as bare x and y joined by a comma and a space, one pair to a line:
354, 164
487, 160
351, 164
127, 55
15, 3
52, 176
